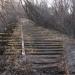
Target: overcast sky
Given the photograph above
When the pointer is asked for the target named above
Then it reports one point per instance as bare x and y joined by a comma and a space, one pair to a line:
49, 2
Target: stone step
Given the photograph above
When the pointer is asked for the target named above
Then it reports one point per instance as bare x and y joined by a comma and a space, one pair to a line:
11, 52
14, 44
44, 53
43, 61
44, 50
14, 49
10, 38
44, 44
43, 56
45, 66
45, 47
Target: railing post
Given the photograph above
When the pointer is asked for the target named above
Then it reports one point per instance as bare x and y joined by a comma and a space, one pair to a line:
23, 48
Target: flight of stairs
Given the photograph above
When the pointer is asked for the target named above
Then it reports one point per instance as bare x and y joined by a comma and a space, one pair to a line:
44, 48
46, 54
5, 36
14, 42
11, 44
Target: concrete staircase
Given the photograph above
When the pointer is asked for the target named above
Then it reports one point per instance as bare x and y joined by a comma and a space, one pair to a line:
46, 54
44, 48
14, 42
4, 37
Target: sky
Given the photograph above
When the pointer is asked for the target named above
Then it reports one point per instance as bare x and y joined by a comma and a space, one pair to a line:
49, 2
